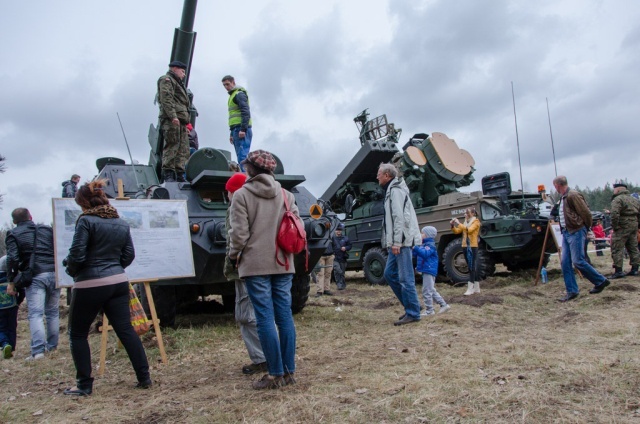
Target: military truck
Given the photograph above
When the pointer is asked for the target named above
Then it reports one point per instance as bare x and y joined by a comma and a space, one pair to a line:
434, 168
207, 171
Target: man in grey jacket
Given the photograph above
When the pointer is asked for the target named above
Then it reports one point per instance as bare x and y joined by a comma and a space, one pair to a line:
400, 233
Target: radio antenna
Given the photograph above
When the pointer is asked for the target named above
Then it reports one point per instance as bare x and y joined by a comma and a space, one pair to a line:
515, 119
140, 193
553, 149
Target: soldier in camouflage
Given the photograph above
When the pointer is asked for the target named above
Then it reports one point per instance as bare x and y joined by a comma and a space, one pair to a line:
625, 215
174, 116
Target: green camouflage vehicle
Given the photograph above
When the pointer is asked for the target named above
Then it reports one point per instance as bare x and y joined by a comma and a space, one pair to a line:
434, 168
207, 172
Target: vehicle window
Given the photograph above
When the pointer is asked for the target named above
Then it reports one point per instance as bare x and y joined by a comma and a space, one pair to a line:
489, 211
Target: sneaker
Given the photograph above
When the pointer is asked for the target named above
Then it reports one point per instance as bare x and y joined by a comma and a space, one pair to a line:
35, 357
7, 351
406, 320
427, 313
144, 384
254, 368
268, 382
444, 309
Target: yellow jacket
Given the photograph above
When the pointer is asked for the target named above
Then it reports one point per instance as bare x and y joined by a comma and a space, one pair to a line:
469, 229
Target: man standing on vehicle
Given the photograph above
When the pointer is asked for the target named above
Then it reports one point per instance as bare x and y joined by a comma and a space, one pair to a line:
400, 233
240, 132
625, 212
575, 220
43, 297
70, 187
174, 116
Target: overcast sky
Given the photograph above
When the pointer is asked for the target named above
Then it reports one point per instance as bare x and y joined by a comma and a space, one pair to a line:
310, 68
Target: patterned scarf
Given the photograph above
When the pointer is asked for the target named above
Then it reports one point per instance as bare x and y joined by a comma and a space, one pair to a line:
103, 211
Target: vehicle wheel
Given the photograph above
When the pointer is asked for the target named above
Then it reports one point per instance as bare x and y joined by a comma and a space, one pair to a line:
454, 262
164, 297
229, 302
528, 264
374, 263
486, 266
299, 292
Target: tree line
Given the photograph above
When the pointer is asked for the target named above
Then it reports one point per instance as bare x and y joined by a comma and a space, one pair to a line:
599, 198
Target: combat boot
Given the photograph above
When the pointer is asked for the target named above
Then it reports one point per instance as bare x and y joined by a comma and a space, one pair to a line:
633, 272
168, 176
181, 178
618, 274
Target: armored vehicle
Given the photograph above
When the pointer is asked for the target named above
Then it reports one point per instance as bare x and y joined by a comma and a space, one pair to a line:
207, 171
434, 168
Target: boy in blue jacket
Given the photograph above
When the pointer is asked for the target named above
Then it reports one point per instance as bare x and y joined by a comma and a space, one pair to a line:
428, 265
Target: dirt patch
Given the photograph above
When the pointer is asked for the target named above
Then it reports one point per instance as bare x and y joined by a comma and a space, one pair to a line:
526, 294
623, 287
384, 304
477, 300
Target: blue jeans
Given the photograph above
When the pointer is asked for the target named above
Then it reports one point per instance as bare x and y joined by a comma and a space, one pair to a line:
43, 299
8, 327
401, 278
271, 298
573, 255
242, 145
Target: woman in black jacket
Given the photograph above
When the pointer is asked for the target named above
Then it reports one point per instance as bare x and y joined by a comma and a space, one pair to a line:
100, 251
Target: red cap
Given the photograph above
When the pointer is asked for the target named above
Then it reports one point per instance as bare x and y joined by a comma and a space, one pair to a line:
235, 182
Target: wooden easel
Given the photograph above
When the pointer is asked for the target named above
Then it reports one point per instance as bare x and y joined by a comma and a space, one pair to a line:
544, 250
155, 322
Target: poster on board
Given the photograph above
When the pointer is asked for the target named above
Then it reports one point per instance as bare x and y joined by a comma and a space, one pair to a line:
557, 237
160, 233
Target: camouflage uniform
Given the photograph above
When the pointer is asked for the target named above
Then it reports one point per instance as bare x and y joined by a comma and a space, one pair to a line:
174, 103
625, 212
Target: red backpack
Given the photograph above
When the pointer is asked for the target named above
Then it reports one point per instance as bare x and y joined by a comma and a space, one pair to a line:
291, 237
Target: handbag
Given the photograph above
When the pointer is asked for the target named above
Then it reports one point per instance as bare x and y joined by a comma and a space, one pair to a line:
7, 300
24, 278
139, 321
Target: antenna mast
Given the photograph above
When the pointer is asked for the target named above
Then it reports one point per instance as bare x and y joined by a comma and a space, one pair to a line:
553, 149
515, 119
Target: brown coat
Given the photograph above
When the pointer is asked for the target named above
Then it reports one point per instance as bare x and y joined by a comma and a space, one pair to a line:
576, 211
256, 212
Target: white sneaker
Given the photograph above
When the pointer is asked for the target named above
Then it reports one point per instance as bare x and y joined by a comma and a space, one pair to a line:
34, 357
427, 314
444, 309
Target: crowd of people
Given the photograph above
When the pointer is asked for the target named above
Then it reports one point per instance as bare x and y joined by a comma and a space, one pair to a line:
102, 248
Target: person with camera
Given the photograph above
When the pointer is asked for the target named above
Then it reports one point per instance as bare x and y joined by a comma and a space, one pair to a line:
33, 270
341, 246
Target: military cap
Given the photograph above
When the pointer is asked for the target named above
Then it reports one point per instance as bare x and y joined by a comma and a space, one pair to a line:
261, 159
620, 184
177, 64
340, 227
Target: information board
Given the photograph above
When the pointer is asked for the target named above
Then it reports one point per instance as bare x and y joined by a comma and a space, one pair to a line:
160, 233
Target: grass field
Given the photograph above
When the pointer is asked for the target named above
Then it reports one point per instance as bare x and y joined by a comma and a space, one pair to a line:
511, 354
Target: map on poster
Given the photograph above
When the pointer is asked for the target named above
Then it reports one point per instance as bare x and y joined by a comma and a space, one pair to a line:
160, 233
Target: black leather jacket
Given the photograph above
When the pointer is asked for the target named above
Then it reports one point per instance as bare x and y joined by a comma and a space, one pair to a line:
19, 243
101, 248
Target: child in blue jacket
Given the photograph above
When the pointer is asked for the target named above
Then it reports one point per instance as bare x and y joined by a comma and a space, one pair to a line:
428, 265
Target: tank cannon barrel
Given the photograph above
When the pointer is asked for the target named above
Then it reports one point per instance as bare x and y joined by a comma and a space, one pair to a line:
184, 38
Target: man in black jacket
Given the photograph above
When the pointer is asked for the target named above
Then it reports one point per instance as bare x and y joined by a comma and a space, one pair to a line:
70, 187
43, 297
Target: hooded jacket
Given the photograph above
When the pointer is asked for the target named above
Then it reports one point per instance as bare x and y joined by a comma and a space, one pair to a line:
256, 212
400, 226
427, 257
69, 189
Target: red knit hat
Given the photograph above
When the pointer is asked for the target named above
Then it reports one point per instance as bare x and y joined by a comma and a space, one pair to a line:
235, 182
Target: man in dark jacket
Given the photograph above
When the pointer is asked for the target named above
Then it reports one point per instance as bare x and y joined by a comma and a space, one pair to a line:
341, 246
174, 116
575, 220
43, 297
240, 132
70, 187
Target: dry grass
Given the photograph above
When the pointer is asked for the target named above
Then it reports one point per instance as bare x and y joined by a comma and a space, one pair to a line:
510, 354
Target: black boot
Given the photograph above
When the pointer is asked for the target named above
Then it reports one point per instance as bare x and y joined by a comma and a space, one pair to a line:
181, 178
634, 271
168, 176
618, 274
